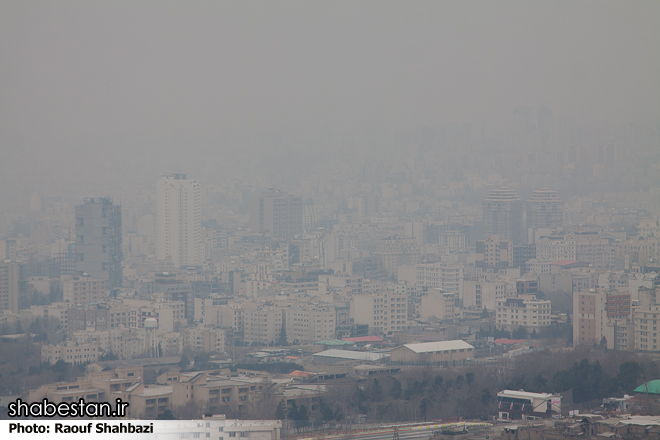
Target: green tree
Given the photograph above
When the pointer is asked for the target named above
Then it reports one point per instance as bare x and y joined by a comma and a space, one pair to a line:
184, 362
469, 377
486, 396
424, 406
303, 418
166, 415
520, 333
395, 389
280, 411
376, 391
539, 383
629, 376
293, 411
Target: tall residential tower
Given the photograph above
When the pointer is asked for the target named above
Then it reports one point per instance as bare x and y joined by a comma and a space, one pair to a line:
98, 240
545, 210
503, 215
179, 220
277, 214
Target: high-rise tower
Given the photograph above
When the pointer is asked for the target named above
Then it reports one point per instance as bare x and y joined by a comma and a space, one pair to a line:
179, 220
98, 240
277, 214
503, 215
544, 210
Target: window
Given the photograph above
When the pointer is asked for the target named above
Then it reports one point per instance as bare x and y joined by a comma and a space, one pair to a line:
196, 434
232, 434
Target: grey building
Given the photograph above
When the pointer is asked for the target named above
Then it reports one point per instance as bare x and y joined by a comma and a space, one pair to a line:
503, 215
98, 240
545, 210
276, 214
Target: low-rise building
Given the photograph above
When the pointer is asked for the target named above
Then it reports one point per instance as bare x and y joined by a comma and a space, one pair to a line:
445, 352
521, 405
70, 352
525, 310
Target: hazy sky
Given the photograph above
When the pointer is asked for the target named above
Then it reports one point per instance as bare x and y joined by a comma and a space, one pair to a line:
88, 82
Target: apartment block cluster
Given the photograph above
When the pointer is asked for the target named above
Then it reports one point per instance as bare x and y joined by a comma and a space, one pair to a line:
179, 274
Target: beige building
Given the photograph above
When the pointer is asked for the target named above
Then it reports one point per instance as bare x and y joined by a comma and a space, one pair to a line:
620, 334
524, 310
393, 252
631, 254
494, 252
215, 313
447, 352
646, 322
595, 249
262, 323
443, 276
83, 290
70, 352
94, 387
589, 316
384, 312
211, 340
482, 293
555, 248
310, 323
179, 220
438, 304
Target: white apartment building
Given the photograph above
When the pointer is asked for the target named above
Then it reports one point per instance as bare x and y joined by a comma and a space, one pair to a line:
384, 312
179, 220
555, 248
447, 277
525, 310
310, 323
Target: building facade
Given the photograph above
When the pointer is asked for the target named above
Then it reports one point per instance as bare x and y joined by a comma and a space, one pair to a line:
524, 311
503, 215
98, 240
179, 220
276, 214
